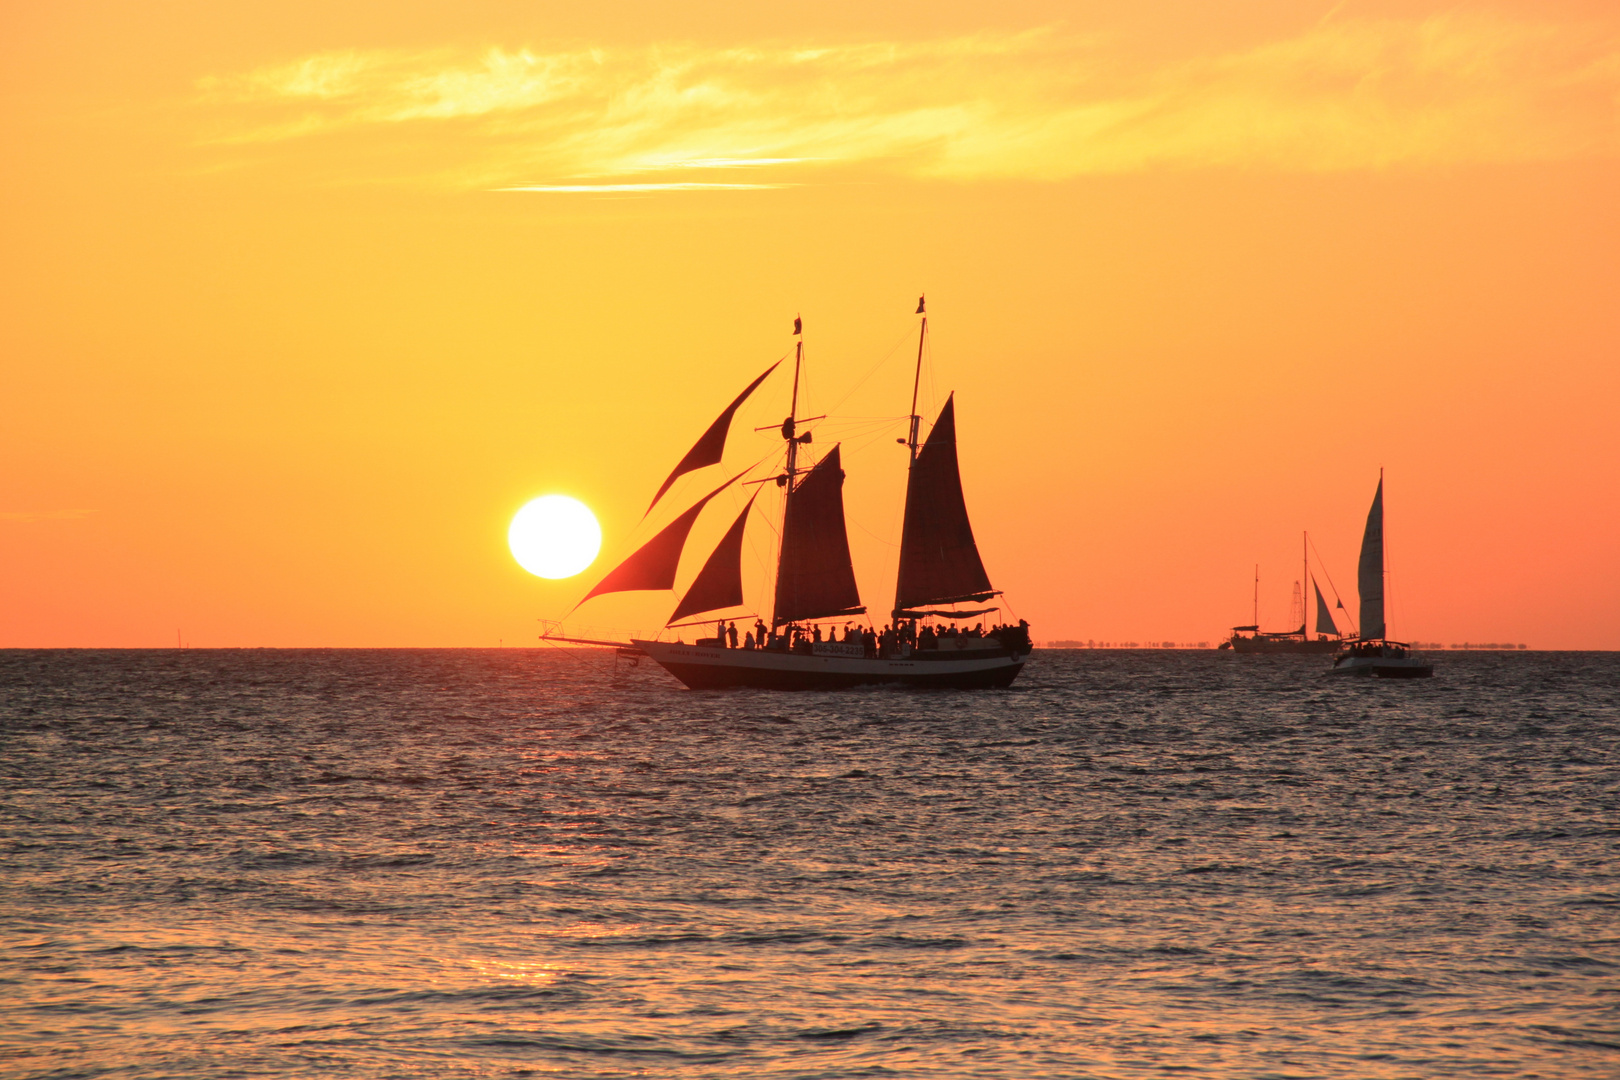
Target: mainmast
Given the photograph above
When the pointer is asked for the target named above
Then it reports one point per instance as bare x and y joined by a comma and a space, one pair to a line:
913, 427
916, 382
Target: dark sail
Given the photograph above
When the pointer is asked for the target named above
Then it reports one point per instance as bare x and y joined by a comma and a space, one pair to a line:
709, 449
1324, 614
939, 562
814, 579
719, 584
1370, 570
653, 564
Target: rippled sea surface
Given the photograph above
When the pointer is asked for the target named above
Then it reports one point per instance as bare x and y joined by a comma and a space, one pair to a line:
527, 863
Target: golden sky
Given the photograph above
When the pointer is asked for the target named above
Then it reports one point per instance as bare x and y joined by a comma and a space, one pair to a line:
300, 302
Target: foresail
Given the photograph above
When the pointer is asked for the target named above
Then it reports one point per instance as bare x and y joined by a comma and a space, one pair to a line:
709, 449
815, 578
1370, 570
939, 560
719, 584
1324, 614
653, 564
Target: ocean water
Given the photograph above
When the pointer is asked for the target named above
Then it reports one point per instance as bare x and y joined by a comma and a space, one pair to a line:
509, 863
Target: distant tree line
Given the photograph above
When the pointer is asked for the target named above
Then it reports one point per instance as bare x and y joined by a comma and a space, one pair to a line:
1067, 643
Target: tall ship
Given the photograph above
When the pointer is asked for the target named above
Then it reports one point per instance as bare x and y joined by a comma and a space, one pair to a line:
1372, 652
817, 635
1328, 639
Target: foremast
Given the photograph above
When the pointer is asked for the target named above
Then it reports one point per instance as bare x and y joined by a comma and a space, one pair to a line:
815, 577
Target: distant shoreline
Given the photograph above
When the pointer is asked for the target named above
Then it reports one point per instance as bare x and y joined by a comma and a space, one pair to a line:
1467, 646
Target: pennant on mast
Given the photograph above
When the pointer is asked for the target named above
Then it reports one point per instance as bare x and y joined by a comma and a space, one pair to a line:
711, 447
939, 560
653, 564
719, 584
814, 576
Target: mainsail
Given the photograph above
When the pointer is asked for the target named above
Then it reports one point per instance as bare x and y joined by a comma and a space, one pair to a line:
653, 564
939, 561
814, 577
719, 584
1370, 571
1324, 615
709, 449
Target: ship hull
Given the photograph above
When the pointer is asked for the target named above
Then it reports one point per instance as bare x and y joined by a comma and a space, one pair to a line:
1285, 645
703, 667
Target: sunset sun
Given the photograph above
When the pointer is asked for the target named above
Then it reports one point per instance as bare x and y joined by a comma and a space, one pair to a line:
554, 536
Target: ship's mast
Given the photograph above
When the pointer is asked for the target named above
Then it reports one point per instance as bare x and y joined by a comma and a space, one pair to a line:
916, 383
790, 425
914, 428
790, 433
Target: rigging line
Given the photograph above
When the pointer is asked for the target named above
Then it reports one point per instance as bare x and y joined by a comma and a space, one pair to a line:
1321, 562
869, 532
884, 359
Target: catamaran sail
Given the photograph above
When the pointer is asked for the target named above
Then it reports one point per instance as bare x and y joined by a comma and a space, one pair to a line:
1373, 653
1370, 571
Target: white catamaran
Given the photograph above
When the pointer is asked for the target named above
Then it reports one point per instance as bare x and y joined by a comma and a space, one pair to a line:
940, 568
1372, 653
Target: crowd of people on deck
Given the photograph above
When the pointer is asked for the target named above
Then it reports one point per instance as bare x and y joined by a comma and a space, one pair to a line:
891, 641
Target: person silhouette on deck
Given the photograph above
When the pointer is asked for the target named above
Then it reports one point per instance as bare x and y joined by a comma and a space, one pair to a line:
731, 633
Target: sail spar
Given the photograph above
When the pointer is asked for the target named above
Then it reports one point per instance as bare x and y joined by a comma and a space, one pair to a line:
653, 564
719, 584
1370, 571
1324, 615
939, 560
711, 447
815, 578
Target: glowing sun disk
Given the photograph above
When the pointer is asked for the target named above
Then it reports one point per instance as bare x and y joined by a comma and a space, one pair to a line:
554, 536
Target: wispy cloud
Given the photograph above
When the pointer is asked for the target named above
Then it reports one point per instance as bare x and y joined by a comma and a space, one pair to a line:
599, 189
1345, 94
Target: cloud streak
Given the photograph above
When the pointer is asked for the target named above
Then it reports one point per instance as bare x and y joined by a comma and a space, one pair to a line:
1347, 94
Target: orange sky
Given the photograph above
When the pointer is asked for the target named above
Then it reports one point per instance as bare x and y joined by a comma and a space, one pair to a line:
300, 304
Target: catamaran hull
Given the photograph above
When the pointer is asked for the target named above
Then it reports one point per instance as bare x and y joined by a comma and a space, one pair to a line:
706, 668
1382, 667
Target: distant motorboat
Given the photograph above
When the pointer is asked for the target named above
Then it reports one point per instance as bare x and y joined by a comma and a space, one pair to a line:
1373, 653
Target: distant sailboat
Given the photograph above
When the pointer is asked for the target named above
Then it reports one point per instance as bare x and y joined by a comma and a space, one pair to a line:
939, 568
1372, 653
1252, 639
